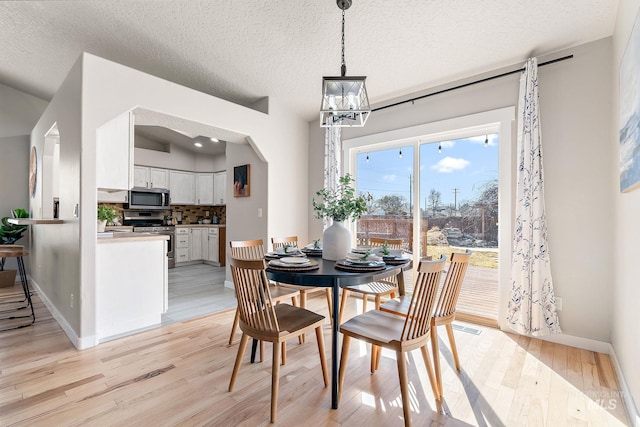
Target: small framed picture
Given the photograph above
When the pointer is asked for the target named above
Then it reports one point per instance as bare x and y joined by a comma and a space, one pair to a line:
241, 181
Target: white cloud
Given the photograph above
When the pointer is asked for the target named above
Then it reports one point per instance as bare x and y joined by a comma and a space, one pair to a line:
389, 178
480, 140
449, 164
447, 144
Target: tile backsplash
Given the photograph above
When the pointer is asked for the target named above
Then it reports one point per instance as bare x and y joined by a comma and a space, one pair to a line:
190, 213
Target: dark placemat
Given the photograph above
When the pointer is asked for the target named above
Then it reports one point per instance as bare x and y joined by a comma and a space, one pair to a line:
272, 255
357, 268
312, 252
396, 261
314, 266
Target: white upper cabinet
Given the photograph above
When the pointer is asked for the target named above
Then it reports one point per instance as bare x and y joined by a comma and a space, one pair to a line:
147, 177
204, 189
114, 153
220, 188
182, 187
159, 178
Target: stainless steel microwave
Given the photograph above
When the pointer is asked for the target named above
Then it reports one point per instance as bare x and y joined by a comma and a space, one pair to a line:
148, 198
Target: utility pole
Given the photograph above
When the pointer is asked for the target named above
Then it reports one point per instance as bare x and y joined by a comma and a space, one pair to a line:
455, 199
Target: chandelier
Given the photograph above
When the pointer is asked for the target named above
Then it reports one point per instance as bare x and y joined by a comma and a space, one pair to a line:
344, 98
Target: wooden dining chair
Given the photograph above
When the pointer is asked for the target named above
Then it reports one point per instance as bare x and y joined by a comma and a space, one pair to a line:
263, 320
444, 312
254, 249
401, 334
377, 289
280, 242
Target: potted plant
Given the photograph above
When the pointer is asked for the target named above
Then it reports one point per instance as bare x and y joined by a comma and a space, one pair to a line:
106, 215
340, 205
10, 233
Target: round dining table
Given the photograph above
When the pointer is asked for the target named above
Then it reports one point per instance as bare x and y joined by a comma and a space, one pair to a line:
329, 276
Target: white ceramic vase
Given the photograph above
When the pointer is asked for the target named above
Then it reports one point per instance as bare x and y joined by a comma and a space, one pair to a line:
336, 242
101, 226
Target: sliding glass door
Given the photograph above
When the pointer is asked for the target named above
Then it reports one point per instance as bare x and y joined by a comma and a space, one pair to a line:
450, 204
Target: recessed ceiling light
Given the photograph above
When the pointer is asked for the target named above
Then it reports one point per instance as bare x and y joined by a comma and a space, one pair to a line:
214, 139
197, 144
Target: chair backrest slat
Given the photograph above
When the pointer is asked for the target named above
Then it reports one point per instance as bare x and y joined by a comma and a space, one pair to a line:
393, 243
279, 242
423, 299
448, 298
255, 307
247, 249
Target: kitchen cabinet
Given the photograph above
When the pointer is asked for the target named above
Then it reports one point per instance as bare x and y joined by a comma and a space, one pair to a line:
148, 177
220, 188
182, 187
204, 244
183, 243
195, 244
204, 189
114, 153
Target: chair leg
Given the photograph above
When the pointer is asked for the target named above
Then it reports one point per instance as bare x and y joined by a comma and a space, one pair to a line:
283, 350
404, 387
346, 340
261, 351
303, 304
236, 319
275, 380
343, 303
236, 367
427, 364
454, 348
436, 358
323, 357
328, 294
374, 357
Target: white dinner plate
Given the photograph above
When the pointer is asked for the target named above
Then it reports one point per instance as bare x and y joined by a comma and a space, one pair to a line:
294, 260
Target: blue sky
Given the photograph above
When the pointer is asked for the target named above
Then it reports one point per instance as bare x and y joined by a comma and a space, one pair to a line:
463, 164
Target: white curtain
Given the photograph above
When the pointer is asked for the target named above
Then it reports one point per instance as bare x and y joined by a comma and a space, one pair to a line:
532, 309
332, 161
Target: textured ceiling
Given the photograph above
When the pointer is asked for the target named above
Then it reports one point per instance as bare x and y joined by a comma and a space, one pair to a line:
245, 50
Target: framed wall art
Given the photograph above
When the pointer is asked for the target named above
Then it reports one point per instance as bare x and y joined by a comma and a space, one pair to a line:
241, 180
630, 113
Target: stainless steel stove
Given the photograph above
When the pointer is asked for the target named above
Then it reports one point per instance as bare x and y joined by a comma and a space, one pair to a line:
152, 222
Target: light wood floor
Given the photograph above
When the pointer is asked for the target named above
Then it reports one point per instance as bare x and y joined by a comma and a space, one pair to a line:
197, 290
177, 375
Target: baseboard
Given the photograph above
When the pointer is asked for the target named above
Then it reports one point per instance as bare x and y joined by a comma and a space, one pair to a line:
78, 343
629, 403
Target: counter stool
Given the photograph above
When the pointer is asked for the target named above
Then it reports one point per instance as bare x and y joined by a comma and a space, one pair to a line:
18, 252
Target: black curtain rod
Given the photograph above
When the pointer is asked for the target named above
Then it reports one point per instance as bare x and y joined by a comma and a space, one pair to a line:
486, 79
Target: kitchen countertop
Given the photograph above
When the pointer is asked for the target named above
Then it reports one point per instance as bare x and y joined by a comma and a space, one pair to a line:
34, 221
125, 236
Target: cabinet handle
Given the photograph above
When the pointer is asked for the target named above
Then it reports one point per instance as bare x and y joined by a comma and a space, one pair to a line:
147, 184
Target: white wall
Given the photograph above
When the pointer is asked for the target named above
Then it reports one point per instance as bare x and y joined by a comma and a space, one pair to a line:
575, 103
179, 159
55, 254
625, 335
